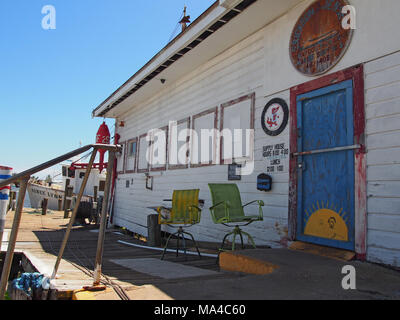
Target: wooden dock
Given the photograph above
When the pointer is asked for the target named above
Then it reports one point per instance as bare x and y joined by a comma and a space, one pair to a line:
134, 269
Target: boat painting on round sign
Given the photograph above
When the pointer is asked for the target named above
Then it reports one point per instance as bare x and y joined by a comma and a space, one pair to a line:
318, 40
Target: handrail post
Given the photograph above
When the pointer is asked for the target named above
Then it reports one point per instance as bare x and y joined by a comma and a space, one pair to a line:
103, 221
74, 213
13, 238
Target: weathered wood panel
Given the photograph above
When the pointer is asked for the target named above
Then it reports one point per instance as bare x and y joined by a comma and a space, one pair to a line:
382, 81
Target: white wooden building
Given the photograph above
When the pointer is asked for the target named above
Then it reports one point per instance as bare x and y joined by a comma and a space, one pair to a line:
238, 54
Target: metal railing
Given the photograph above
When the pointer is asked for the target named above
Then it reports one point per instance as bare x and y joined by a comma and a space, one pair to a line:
23, 179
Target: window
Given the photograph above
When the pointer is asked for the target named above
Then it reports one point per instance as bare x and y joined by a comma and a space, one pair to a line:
120, 159
143, 164
130, 158
159, 149
237, 130
204, 138
102, 185
179, 145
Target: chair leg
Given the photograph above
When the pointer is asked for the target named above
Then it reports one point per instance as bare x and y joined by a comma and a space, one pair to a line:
250, 238
236, 231
195, 244
223, 241
184, 243
166, 246
234, 240
177, 244
241, 239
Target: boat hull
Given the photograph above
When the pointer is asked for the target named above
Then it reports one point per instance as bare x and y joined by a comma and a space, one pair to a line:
37, 193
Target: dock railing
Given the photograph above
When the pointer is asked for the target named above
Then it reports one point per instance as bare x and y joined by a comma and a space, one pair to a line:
23, 179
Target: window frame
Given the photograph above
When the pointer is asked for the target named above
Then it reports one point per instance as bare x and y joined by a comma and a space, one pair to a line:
123, 152
252, 97
163, 168
128, 143
197, 116
138, 170
188, 156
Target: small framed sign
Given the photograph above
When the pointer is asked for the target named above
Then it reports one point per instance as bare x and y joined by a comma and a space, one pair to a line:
149, 182
234, 172
275, 117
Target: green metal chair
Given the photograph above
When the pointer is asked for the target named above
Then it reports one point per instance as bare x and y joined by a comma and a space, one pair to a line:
227, 209
185, 212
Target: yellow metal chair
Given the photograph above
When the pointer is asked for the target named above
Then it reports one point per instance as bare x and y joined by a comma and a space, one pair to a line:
185, 212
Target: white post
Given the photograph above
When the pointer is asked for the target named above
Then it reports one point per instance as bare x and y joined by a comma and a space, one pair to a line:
5, 173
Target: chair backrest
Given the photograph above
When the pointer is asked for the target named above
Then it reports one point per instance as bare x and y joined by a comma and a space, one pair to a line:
231, 195
181, 202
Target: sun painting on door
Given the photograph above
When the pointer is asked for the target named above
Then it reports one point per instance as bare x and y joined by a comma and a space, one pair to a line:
323, 220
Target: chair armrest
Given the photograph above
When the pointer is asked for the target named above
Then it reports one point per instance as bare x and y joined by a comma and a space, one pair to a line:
226, 206
191, 212
218, 204
260, 204
160, 216
195, 207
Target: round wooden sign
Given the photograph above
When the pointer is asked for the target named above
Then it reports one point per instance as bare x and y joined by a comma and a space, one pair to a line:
319, 40
275, 117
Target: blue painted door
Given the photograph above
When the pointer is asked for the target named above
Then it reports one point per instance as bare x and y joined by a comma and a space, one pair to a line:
325, 162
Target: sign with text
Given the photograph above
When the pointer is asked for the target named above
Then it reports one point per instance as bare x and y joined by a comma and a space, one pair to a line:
319, 39
276, 156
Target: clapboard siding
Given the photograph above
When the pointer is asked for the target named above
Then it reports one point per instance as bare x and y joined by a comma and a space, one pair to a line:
382, 85
237, 72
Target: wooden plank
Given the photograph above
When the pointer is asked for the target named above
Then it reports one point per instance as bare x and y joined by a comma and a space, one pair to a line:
323, 251
384, 256
386, 77
386, 189
383, 109
380, 94
384, 222
383, 63
383, 239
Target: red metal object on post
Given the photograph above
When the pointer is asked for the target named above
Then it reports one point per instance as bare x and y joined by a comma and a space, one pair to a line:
102, 137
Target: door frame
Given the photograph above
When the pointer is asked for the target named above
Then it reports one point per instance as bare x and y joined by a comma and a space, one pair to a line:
356, 74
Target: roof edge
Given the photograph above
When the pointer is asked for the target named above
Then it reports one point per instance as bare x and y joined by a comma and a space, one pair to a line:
215, 5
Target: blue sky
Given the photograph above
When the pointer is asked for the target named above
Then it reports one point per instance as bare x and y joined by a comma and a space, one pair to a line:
51, 80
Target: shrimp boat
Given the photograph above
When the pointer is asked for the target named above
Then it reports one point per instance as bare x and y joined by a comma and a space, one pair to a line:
73, 176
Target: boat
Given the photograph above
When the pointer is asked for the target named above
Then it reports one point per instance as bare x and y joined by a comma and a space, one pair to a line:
73, 176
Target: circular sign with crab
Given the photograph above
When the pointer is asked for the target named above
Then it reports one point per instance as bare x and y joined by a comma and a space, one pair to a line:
275, 117
320, 38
